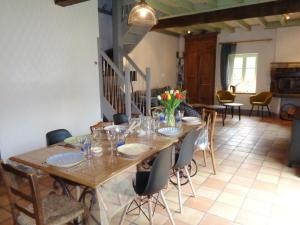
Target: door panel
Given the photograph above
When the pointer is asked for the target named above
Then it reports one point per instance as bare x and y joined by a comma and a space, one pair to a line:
200, 56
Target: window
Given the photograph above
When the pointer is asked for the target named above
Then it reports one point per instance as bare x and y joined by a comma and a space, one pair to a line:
242, 72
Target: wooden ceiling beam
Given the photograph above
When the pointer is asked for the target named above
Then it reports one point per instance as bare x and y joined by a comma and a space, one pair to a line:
224, 26
262, 22
68, 2
289, 23
236, 13
243, 25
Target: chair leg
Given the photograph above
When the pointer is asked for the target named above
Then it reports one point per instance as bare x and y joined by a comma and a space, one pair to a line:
124, 213
258, 110
150, 209
190, 181
262, 112
212, 155
250, 114
204, 157
270, 115
179, 191
167, 207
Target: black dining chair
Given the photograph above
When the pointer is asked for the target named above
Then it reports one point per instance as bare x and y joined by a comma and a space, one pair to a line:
52, 138
56, 136
149, 183
184, 159
120, 118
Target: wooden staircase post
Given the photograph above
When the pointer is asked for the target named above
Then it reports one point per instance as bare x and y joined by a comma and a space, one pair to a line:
127, 93
148, 91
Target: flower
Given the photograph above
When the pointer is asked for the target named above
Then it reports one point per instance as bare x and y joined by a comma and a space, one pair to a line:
168, 97
159, 97
171, 91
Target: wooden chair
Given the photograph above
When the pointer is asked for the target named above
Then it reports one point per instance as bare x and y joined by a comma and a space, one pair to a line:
209, 116
99, 125
52, 210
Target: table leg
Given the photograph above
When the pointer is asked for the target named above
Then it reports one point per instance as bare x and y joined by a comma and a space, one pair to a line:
239, 112
225, 111
232, 108
223, 118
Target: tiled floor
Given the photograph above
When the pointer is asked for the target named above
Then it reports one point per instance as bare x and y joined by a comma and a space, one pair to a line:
253, 185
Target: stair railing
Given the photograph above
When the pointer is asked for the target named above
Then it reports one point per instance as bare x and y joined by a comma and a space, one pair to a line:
116, 87
140, 83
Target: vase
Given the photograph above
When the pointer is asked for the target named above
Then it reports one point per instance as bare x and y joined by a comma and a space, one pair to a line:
170, 117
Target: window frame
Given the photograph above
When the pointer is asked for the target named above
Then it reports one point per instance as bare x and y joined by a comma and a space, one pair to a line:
244, 68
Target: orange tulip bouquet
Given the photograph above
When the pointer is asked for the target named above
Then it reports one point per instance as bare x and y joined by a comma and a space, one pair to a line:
171, 99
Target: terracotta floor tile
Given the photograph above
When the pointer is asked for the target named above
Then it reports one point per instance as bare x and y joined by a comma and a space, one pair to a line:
231, 199
224, 210
265, 186
214, 183
246, 182
258, 207
246, 217
210, 219
267, 178
189, 216
200, 203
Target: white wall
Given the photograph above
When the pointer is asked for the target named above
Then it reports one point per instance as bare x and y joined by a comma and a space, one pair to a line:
266, 55
48, 79
158, 51
284, 47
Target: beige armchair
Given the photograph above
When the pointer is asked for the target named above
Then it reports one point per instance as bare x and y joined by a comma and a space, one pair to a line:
225, 97
261, 99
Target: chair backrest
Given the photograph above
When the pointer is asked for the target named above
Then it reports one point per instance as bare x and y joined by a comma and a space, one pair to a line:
99, 125
210, 116
264, 97
187, 149
160, 172
16, 194
120, 118
188, 110
56, 136
225, 95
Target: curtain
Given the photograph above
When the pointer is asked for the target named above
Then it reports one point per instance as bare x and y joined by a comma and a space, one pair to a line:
226, 50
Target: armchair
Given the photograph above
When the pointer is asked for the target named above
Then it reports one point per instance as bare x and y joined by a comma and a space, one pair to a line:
262, 99
225, 97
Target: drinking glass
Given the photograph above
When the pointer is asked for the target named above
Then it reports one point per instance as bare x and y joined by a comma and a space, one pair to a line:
111, 136
87, 148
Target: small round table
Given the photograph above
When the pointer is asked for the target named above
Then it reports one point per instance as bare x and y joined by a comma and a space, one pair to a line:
216, 108
232, 105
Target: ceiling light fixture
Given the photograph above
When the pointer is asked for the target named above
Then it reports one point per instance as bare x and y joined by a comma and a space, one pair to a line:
142, 15
287, 16
189, 32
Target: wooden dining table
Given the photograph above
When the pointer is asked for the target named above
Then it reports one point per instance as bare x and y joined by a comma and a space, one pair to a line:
100, 168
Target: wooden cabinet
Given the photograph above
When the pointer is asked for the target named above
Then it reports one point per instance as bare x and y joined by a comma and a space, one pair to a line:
200, 63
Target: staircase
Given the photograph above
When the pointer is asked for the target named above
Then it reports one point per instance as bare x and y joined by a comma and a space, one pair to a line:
126, 91
132, 35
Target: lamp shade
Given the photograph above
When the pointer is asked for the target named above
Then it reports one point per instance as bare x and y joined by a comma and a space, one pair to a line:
142, 15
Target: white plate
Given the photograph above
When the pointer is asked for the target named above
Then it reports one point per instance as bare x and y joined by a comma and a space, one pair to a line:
191, 119
133, 150
170, 131
66, 159
115, 127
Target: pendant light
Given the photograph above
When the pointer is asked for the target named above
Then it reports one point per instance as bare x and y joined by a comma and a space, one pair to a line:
142, 15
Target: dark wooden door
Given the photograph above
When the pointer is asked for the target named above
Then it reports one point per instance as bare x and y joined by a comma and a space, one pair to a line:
200, 57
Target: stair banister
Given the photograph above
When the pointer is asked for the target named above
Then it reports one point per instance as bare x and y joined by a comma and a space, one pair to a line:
148, 91
133, 64
127, 92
